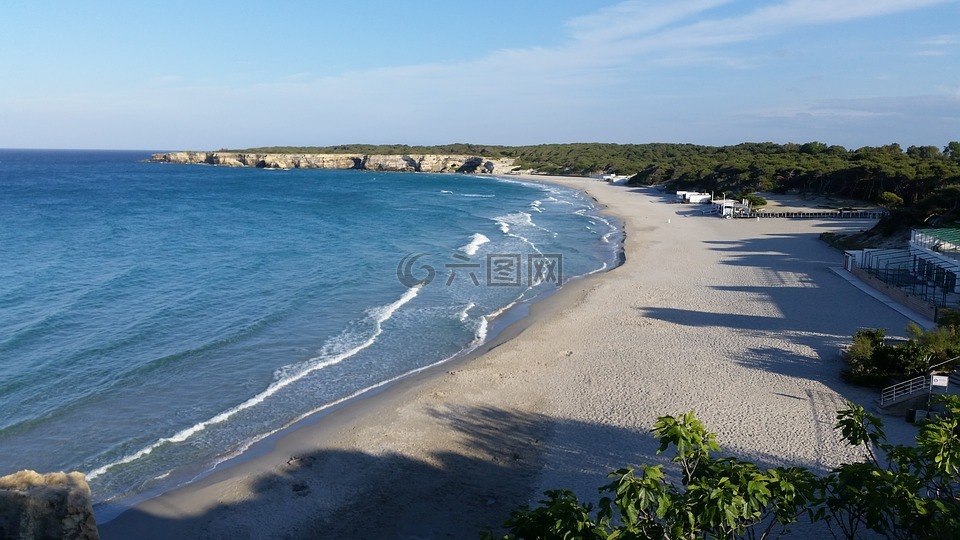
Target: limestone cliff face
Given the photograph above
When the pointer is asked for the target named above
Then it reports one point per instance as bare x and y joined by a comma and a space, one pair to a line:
55, 505
406, 163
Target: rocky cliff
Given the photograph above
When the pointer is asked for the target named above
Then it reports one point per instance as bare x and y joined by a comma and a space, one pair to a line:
407, 163
55, 505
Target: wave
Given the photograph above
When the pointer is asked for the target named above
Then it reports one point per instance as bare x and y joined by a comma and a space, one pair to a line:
481, 335
284, 378
476, 241
137, 332
466, 312
513, 218
478, 195
445, 191
611, 228
517, 220
535, 206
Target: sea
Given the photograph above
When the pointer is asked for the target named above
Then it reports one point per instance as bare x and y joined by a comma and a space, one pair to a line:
158, 319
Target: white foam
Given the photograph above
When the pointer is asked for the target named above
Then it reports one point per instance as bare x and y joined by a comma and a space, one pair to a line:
476, 241
445, 191
285, 378
535, 206
478, 195
481, 335
514, 218
466, 312
601, 269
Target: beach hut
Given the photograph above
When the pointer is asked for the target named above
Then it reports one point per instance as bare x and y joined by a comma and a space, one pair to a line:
729, 208
693, 197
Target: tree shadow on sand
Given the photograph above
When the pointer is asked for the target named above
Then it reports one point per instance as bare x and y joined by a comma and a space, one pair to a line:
815, 308
498, 457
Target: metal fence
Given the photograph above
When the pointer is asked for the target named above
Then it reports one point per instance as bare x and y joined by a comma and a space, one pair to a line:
911, 272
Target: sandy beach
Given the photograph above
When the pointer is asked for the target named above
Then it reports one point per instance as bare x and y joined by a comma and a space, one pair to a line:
739, 320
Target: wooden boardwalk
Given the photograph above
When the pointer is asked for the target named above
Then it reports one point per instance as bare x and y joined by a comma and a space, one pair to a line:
857, 214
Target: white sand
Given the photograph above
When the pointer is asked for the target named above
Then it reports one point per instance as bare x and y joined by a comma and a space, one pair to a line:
739, 320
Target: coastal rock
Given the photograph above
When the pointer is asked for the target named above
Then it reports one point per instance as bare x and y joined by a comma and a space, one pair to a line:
55, 505
391, 163
183, 157
403, 163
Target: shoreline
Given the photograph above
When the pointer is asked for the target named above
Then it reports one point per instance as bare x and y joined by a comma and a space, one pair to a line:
506, 325
562, 396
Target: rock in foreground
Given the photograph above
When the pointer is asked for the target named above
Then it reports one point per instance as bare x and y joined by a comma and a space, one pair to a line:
55, 505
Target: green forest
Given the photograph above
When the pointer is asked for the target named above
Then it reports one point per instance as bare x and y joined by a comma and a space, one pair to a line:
919, 183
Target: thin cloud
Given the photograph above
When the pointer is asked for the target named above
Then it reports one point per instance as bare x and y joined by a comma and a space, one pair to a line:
942, 40
944, 106
628, 19
768, 21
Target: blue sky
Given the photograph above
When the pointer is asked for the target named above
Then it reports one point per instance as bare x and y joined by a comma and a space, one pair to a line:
208, 75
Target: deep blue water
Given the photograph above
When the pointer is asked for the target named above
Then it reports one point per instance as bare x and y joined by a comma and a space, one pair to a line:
156, 319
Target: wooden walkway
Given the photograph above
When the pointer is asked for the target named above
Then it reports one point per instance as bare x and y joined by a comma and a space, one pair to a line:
861, 214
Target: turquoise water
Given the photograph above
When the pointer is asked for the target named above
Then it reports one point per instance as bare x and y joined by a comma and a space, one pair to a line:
156, 319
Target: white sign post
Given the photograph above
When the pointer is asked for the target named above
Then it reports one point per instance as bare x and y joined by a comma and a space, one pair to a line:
936, 380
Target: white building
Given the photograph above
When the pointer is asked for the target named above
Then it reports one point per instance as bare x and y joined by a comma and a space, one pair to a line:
693, 197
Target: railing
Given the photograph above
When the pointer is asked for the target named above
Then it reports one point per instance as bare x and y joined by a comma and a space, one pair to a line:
893, 393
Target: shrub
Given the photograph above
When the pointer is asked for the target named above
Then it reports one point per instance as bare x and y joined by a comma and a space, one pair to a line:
862, 356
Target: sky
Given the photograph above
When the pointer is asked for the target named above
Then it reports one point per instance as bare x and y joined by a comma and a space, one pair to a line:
207, 75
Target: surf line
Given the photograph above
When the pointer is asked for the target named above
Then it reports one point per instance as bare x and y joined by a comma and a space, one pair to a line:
379, 315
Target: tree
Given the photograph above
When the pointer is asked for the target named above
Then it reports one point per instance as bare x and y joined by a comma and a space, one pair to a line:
953, 150
897, 491
717, 497
814, 147
890, 199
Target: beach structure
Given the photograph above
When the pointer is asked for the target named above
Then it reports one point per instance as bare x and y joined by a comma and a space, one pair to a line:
923, 276
730, 208
693, 197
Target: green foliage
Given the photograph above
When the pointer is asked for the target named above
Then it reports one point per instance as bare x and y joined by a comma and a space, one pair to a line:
723, 498
949, 317
560, 515
922, 181
902, 492
942, 343
752, 199
888, 198
899, 491
860, 356
873, 362
902, 360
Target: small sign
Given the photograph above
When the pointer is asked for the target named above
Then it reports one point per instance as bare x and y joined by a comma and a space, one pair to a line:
939, 380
